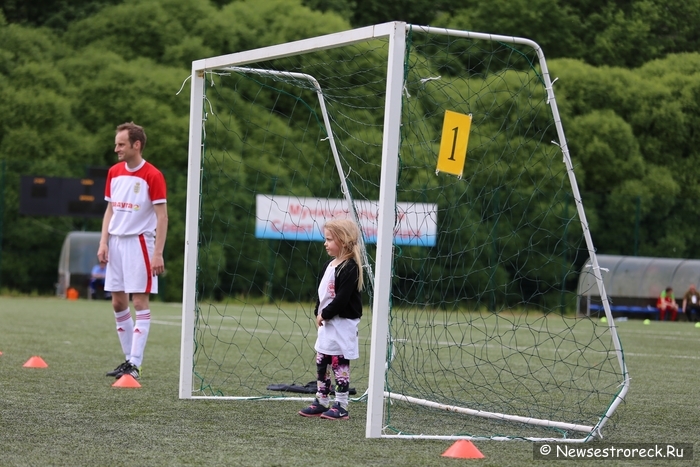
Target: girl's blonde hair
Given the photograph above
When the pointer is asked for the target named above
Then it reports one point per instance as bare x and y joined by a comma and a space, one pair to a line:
346, 233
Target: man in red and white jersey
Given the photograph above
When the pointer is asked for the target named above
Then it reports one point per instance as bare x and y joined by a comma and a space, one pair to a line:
134, 228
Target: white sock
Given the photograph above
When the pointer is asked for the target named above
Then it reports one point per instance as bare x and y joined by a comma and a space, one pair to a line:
324, 400
342, 399
125, 330
141, 328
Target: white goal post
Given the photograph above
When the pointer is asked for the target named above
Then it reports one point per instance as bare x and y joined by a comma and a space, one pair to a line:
378, 393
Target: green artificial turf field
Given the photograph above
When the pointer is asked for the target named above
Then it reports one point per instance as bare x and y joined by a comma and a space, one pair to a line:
69, 413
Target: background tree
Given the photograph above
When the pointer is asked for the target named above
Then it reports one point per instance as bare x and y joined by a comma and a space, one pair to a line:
628, 90
56, 14
625, 33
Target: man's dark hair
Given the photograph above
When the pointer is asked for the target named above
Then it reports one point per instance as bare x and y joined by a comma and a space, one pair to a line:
135, 132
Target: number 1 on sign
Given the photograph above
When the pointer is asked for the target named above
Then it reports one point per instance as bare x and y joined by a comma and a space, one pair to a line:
453, 143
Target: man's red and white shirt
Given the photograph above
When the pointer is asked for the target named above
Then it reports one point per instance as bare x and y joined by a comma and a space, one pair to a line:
132, 194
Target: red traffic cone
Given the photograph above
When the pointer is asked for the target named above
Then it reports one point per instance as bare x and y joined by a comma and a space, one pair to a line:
35, 362
463, 449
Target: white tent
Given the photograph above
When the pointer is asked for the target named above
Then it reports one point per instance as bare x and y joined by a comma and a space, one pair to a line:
78, 256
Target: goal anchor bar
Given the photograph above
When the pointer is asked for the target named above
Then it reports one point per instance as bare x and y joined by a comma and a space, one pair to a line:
498, 416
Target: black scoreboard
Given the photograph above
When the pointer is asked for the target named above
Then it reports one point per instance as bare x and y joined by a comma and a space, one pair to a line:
61, 196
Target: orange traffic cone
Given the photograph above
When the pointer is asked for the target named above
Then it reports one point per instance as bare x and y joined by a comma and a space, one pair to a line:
463, 449
35, 362
72, 294
126, 381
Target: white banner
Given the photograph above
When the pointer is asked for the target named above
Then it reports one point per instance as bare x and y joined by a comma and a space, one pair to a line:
288, 218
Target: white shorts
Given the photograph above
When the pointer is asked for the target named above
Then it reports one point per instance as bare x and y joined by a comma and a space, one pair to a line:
129, 264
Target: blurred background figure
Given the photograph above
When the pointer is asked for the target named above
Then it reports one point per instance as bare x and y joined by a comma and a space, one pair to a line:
691, 304
667, 304
97, 282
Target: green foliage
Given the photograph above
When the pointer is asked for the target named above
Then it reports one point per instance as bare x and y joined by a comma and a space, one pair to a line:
344, 8
244, 25
52, 13
632, 132
634, 142
529, 18
615, 33
369, 12
631, 33
21, 45
605, 144
137, 29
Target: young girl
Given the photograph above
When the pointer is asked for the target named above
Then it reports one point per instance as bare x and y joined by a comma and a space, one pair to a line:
338, 311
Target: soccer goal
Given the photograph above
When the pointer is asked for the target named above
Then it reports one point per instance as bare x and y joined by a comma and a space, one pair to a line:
447, 149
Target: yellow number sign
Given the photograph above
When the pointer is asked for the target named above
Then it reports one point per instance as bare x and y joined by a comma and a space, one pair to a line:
453, 143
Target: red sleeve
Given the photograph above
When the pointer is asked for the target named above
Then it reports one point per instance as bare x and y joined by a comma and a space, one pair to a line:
156, 184
108, 185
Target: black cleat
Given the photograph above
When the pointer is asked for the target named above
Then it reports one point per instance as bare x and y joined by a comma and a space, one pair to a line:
129, 369
119, 369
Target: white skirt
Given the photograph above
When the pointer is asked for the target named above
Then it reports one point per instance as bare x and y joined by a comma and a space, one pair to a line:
339, 336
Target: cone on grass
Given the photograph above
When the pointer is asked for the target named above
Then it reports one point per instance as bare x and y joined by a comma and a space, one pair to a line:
126, 381
35, 362
463, 449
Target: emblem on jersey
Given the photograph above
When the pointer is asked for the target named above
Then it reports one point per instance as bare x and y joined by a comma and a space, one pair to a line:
136, 207
137, 187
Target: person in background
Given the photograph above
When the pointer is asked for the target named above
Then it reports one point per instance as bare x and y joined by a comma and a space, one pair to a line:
667, 304
97, 281
134, 228
691, 304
